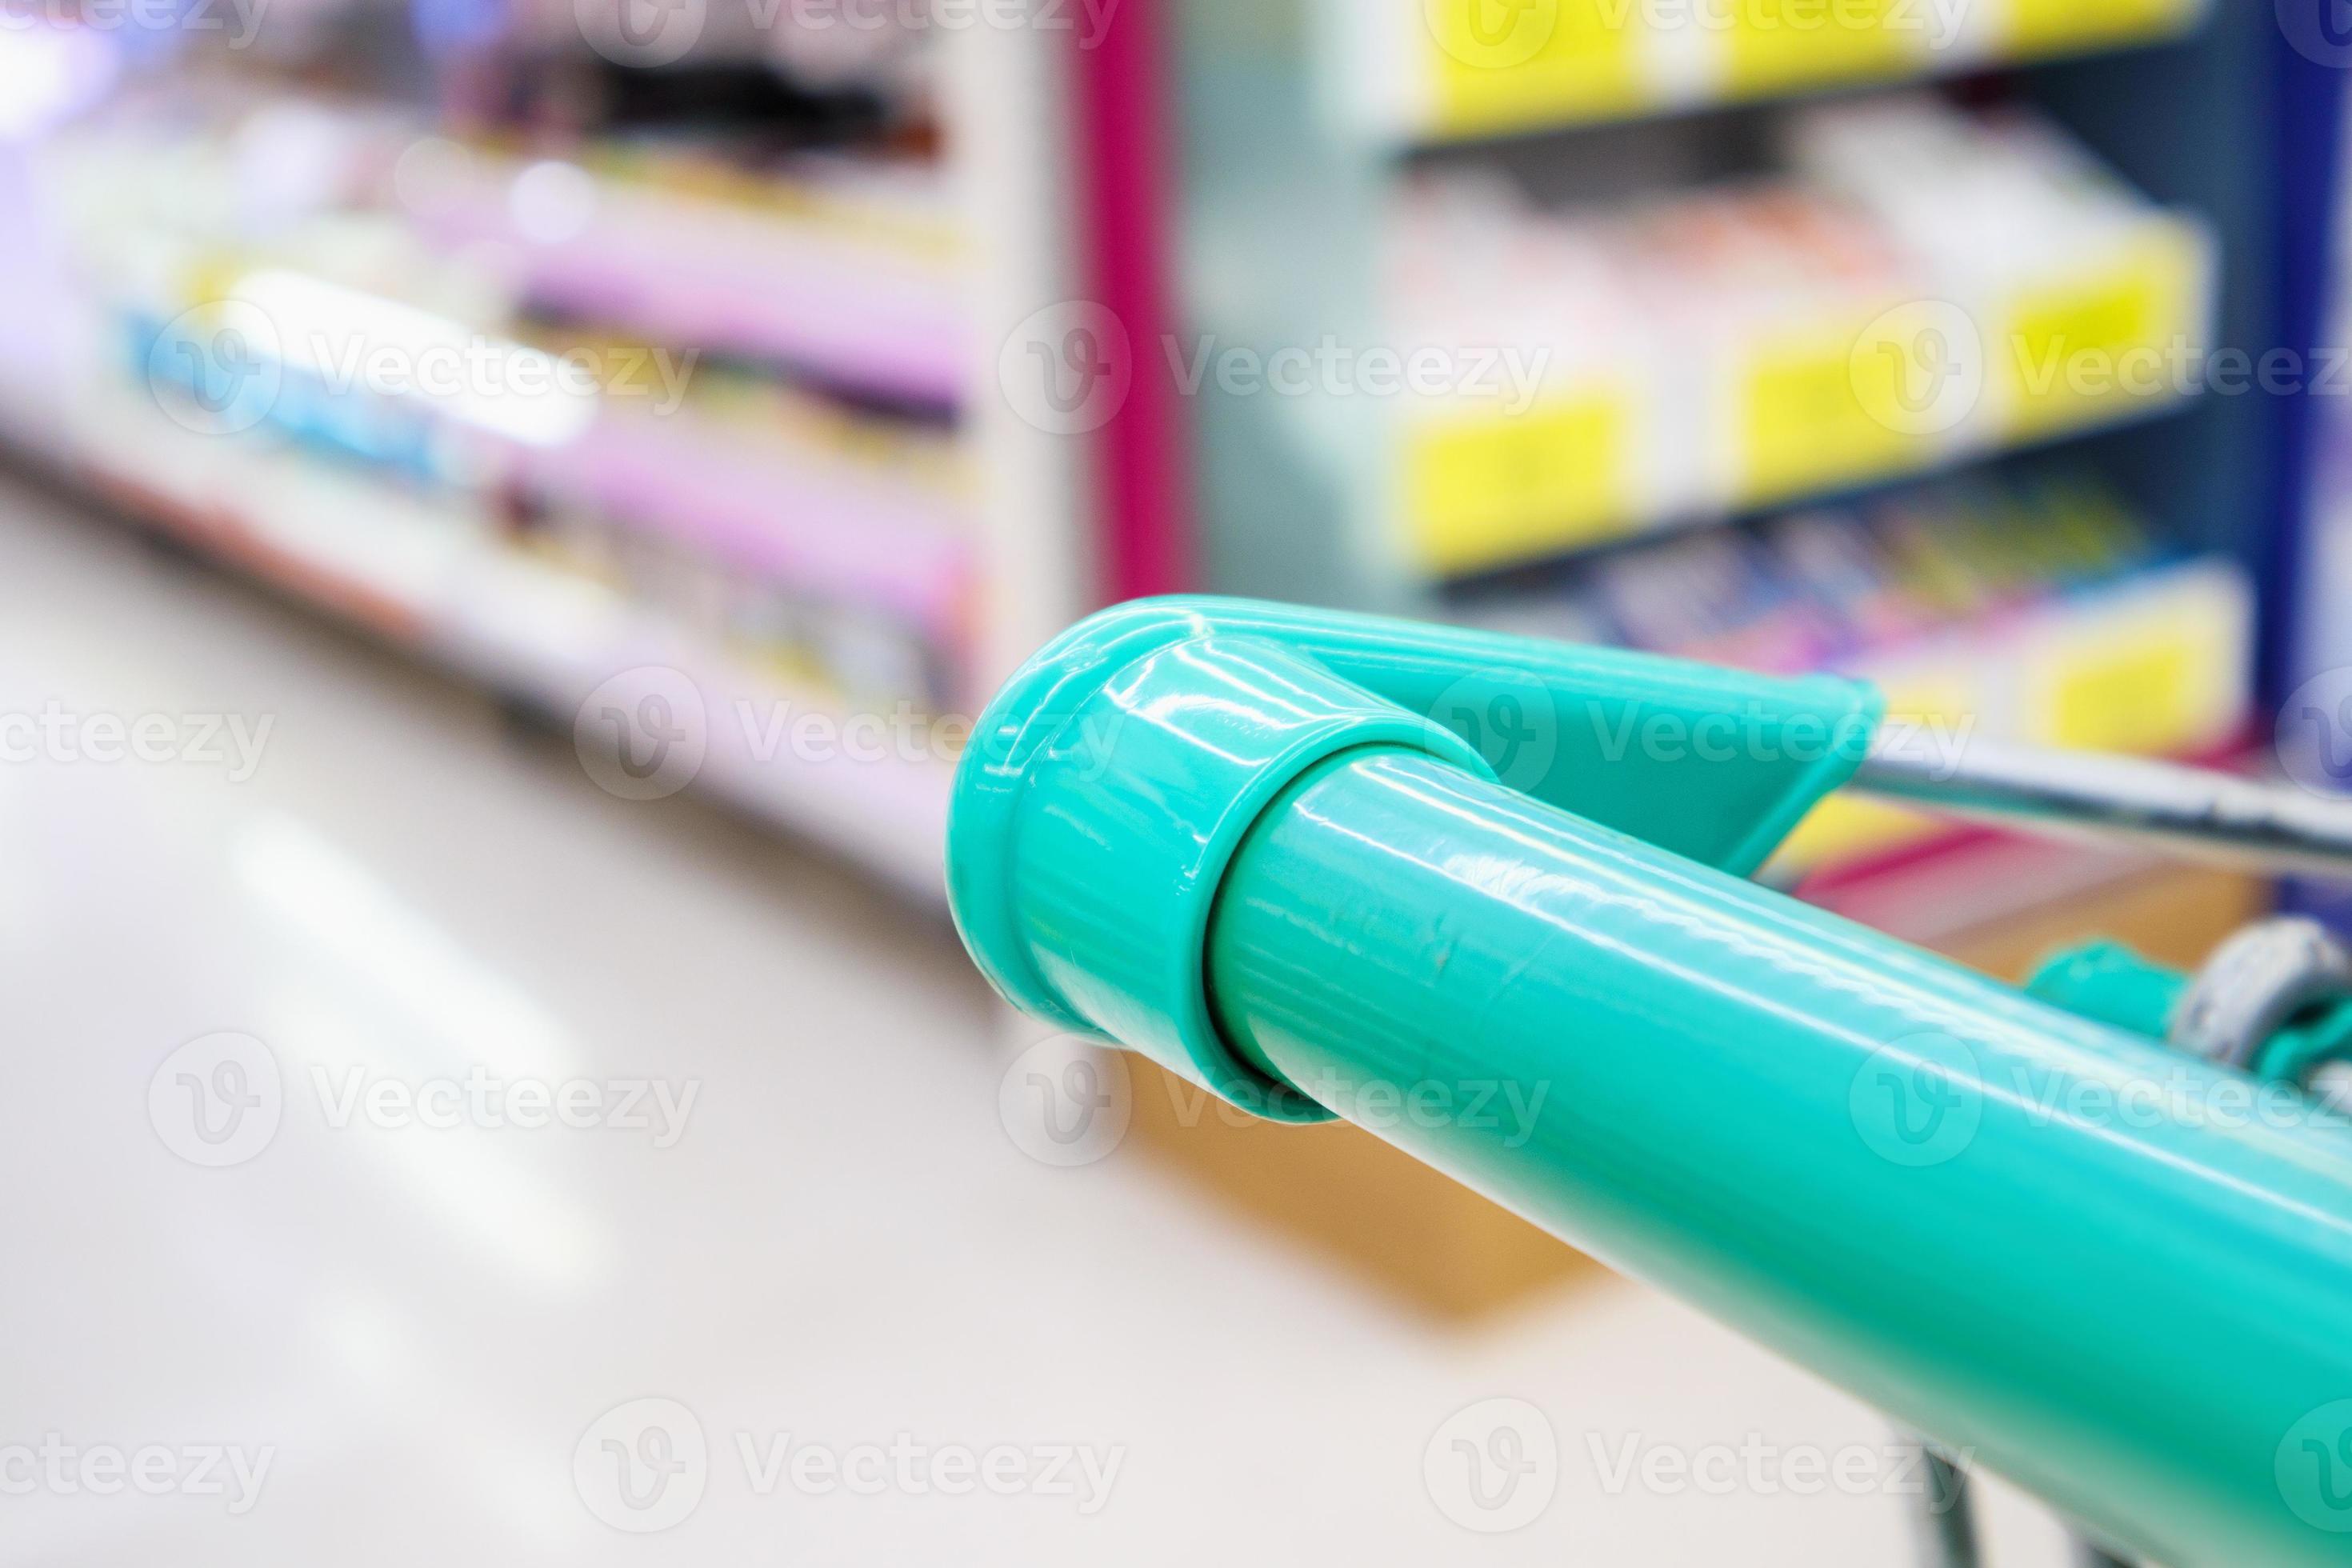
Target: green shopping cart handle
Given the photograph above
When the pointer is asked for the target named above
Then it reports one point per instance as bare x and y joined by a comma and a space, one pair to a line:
1326, 865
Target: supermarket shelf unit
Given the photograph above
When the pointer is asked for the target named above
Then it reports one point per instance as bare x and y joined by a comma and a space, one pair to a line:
1287, 208
430, 583
988, 557
1299, 131
1408, 72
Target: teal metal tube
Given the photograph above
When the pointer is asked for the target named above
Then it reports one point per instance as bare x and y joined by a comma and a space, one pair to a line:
2095, 1265
1325, 865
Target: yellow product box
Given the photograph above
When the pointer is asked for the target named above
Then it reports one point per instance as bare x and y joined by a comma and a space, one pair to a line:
2160, 668
1781, 46
1500, 65
2122, 329
1817, 409
1485, 489
2052, 27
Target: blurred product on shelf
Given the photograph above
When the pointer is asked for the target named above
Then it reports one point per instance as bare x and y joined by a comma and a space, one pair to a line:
2032, 604
549, 405
851, 57
1918, 286
842, 272
1439, 70
724, 493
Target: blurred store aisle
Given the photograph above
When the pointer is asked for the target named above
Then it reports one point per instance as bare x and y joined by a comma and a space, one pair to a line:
797, 1214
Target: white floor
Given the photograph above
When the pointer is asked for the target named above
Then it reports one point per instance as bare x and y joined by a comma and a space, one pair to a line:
430, 1335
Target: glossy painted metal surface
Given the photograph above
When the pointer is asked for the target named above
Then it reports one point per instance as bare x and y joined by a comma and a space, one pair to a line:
2108, 982
1109, 782
1712, 764
2273, 1035
1482, 896
1940, 1194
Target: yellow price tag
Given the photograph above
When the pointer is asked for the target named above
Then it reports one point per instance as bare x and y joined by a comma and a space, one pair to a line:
2087, 347
1489, 490
2163, 670
2160, 684
2135, 698
2044, 26
1818, 411
1508, 63
1777, 45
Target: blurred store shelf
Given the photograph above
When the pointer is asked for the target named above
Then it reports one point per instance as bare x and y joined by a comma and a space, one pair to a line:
440, 585
1408, 71
849, 274
1834, 327
860, 529
554, 372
